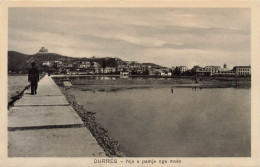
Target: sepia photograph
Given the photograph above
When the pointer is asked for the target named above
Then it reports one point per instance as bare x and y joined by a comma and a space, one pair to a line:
112, 83
137, 82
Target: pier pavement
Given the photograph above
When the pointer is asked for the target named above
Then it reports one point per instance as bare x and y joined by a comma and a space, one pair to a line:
45, 125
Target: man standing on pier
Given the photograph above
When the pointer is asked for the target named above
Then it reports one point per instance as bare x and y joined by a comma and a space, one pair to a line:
33, 77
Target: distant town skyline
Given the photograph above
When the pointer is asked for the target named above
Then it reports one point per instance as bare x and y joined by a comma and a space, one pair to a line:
164, 36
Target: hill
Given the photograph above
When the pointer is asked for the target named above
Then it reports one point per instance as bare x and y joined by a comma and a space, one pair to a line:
39, 58
19, 61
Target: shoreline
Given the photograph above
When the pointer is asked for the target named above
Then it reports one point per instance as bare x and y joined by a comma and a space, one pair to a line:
112, 84
110, 146
150, 76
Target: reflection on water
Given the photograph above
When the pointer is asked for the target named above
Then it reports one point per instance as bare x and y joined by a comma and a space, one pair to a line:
174, 123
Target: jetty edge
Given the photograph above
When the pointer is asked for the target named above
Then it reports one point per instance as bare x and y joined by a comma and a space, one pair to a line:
111, 147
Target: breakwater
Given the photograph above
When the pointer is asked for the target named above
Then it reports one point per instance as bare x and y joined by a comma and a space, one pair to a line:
110, 146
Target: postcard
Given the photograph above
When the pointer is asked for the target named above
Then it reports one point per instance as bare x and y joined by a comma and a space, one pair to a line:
130, 83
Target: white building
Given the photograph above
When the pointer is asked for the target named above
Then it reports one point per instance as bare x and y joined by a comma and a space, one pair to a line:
181, 69
242, 70
46, 63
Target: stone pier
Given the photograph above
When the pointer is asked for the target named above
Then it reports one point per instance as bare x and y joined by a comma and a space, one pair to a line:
45, 125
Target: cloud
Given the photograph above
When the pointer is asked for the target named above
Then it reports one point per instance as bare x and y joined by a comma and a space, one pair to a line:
167, 36
191, 57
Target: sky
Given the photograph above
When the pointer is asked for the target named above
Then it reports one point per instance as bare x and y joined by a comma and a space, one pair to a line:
165, 36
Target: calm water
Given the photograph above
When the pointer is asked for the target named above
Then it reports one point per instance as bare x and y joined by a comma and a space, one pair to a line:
185, 123
16, 83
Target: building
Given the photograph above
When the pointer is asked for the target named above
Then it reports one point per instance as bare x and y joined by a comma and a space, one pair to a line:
128, 63
70, 65
124, 73
57, 64
195, 69
82, 66
225, 73
119, 69
224, 69
162, 73
208, 70
85, 64
203, 72
173, 69
96, 65
242, 70
113, 69
43, 50
152, 71
106, 70
181, 69
212, 69
46, 63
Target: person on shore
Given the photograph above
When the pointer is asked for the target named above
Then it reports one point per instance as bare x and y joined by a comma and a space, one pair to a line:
33, 77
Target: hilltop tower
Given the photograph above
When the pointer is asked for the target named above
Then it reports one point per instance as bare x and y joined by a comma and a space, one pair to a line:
43, 50
225, 65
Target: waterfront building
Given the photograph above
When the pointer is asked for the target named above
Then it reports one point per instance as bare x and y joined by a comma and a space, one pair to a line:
195, 69
202, 71
242, 70
208, 70
222, 73
212, 69
224, 69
